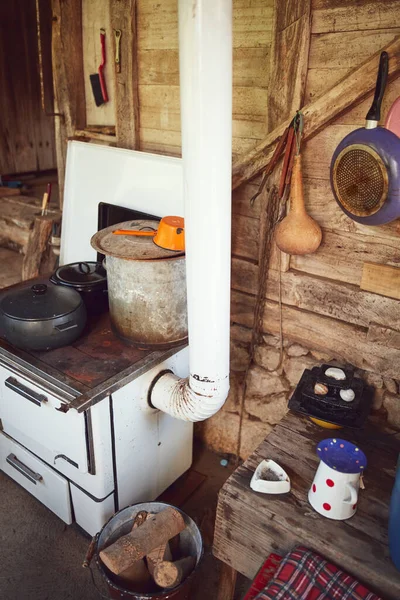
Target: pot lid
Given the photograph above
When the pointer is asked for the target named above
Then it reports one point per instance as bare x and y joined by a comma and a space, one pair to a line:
40, 302
81, 274
131, 247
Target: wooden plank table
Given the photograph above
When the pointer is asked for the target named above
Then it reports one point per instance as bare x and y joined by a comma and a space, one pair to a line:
249, 525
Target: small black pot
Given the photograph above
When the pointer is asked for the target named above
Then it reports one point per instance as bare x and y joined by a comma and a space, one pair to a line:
87, 278
42, 317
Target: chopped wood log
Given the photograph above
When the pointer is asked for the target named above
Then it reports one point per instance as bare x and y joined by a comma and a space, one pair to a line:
135, 545
157, 556
170, 574
348, 92
37, 246
381, 279
136, 577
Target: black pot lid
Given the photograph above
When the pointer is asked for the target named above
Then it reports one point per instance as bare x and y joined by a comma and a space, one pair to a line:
40, 302
82, 274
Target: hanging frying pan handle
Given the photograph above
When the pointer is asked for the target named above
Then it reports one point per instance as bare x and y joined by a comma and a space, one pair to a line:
374, 113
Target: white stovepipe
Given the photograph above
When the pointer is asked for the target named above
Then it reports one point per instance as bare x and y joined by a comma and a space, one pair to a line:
205, 52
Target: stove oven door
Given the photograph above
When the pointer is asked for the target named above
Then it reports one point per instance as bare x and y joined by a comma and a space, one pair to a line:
31, 415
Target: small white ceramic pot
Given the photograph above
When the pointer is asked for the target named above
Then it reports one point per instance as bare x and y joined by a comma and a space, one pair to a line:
334, 491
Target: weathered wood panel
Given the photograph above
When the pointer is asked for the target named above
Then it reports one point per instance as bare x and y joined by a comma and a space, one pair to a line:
159, 67
96, 15
357, 15
289, 55
26, 134
322, 206
341, 256
329, 298
123, 18
383, 280
68, 75
318, 114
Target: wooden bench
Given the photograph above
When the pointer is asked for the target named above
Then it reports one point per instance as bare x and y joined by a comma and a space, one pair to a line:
249, 525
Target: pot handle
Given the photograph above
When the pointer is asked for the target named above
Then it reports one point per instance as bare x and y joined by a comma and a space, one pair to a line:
134, 232
353, 494
66, 326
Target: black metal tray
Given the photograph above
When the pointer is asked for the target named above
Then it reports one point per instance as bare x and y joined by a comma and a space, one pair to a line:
332, 408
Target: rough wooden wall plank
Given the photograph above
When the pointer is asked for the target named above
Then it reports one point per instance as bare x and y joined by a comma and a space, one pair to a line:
379, 334
325, 297
343, 96
26, 133
345, 50
319, 80
289, 59
322, 206
361, 15
330, 335
96, 15
67, 53
383, 280
123, 17
341, 256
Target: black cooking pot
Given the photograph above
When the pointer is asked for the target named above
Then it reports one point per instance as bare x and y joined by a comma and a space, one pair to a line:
87, 278
42, 317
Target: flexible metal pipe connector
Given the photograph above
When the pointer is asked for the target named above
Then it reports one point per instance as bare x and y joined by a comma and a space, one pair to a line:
205, 55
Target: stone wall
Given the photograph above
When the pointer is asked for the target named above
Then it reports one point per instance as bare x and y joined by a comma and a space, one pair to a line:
270, 385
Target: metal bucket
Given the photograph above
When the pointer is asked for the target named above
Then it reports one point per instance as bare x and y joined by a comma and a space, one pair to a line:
147, 301
120, 524
146, 287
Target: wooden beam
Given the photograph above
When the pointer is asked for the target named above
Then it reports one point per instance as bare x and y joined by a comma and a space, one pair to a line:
123, 17
381, 279
67, 58
348, 92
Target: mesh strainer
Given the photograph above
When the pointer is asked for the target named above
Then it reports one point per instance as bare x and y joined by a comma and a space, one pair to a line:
360, 180
365, 168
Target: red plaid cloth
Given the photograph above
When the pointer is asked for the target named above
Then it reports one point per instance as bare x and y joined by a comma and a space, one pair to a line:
304, 575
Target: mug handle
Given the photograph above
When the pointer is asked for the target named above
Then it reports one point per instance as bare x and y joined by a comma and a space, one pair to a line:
353, 494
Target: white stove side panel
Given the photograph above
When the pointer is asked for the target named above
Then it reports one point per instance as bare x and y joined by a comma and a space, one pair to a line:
152, 448
94, 173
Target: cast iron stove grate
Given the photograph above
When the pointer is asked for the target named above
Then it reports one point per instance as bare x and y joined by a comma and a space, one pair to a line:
331, 407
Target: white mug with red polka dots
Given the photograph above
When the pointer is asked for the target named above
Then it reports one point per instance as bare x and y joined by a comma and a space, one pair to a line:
334, 491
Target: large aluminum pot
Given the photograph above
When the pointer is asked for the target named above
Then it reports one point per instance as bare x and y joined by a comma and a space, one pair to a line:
146, 287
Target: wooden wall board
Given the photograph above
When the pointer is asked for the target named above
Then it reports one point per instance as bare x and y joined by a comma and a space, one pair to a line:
159, 67
336, 337
321, 205
383, 280
123, 18
289, 59
329, 298
379, 334
67, 52
245, 237
96, 15
347, 49
341, 256
357, 15
26, 134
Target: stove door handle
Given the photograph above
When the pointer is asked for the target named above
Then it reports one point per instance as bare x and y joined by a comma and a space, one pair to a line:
23, 469
23, 390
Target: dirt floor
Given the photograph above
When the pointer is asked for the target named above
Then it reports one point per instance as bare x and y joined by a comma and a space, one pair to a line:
41, 557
